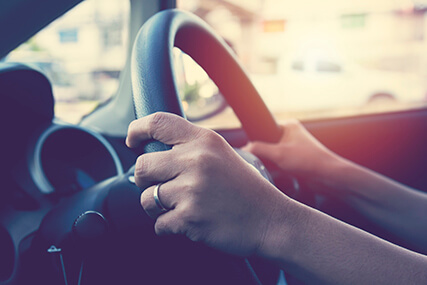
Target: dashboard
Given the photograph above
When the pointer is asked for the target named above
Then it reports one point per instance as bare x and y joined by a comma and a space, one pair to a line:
68, 191
67, 159
44, 161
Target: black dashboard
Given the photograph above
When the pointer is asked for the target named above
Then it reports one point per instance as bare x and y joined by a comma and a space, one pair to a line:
68, 195
43, 160
66, 159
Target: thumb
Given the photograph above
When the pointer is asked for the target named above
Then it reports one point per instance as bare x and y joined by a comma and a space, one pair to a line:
263, 150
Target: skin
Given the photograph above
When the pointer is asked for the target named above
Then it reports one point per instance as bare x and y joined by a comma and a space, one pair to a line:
215, 197
391, 205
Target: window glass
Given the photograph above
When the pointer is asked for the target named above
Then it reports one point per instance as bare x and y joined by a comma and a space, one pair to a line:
82, 54
313, 59
201, 99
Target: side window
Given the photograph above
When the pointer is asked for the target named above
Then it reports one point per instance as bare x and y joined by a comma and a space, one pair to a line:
298, 65
201, 99
310, 60
82, 53
327, 66
68, 35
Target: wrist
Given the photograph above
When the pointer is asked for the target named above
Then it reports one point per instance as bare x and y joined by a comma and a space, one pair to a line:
342, 178
282, 230
331, 170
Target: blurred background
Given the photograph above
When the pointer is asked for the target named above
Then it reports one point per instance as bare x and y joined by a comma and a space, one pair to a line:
309, 59
82, 53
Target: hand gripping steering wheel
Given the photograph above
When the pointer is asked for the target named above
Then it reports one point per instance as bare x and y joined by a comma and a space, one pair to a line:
155, 89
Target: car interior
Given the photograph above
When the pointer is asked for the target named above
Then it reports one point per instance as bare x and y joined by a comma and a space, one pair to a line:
69, 208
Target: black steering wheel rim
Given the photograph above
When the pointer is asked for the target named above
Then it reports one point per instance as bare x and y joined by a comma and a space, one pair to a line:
153, 79
154, 87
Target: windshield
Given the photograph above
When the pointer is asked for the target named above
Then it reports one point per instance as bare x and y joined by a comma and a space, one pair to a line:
315, 59
82, 53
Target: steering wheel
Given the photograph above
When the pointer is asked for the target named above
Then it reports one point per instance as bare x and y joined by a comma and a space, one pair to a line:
155, 89
101, 235
153, 79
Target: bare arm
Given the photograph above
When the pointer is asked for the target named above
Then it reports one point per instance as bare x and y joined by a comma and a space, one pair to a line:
213, 196
321, 250
391, 205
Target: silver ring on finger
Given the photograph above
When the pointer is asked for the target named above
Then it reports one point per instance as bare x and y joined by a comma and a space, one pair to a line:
157, 199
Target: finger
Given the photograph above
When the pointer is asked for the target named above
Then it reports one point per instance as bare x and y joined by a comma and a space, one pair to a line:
269, 151
156, 167
168, 194
164, 127
262, 150
149, 204
169, 223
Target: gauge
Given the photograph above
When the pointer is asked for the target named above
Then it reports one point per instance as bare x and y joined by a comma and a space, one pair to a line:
67, 159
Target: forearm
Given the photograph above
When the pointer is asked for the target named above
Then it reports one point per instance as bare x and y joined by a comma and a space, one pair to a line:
391, 205
319, 249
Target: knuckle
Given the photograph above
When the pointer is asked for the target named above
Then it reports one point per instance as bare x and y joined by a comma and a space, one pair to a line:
161, 227
169, 225
157, 120
190, 222
186, 187
202, 180
206, 162
195, 235
145, 200
142, 166
188, 194
202, 157
189, 215
132, 129
178, 227
132, 126
210, 137
186, 214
